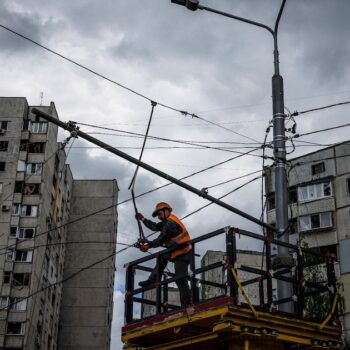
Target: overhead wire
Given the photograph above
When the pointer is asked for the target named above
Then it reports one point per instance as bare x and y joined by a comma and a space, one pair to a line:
111, 255
296, 113
140, 195
166, 139
321, 130
183, 112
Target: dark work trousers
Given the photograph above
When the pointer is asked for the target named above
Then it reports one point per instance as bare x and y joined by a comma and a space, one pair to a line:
181, 267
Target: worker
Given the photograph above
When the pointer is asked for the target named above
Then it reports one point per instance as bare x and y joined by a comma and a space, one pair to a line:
172, 233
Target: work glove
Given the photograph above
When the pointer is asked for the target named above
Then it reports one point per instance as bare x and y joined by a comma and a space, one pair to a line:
145, 247
139, 216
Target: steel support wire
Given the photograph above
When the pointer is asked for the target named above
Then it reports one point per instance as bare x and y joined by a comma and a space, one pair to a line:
71, 127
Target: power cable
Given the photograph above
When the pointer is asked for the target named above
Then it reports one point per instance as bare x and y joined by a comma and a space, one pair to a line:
296, 113
112, 255
140, 195
221, 197
165, 139
321, 130
185, 113
234, 179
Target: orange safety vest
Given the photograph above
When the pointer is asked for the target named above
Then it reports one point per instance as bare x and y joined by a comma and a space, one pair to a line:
181, 238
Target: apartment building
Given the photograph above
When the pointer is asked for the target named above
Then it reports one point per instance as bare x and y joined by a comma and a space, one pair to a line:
36, 196
319, 207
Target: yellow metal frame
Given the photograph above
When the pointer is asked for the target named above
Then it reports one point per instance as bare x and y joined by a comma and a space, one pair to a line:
229, 322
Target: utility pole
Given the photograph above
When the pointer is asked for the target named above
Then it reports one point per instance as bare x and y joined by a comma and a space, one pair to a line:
283, 260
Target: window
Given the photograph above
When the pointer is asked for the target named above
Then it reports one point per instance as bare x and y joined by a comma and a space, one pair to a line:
25, 210
4, 302
4, 145
314, 191
271, 202
23, 145
21, 279
292, 196
24, 256
348, 185
5, 125
31, 189
13, 231
7, 277
316, 221
26, 233
318, 168
293, 226
18, 305
16, 209
34, 168
15, 328
19, 186
38, 127
29, 210
2, 166
10, 254
21, 165
37, 147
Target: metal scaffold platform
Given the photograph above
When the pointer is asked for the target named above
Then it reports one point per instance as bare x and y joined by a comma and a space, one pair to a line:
232, 320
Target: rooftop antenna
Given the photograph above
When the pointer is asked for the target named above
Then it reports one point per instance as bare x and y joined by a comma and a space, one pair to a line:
41, 98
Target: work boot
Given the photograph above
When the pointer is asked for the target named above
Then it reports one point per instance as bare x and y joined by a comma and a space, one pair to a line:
145, 283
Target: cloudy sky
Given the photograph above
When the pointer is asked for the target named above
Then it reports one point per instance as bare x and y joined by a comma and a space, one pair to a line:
217, 68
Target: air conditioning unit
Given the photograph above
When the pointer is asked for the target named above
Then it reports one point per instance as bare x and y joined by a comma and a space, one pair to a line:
6, 208
2, 131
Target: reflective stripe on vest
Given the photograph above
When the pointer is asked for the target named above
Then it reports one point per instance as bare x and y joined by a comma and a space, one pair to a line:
181, 238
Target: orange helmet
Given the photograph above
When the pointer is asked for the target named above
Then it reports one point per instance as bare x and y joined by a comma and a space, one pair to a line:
160, 206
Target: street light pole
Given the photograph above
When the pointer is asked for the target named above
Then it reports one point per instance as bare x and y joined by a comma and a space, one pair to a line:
284, 289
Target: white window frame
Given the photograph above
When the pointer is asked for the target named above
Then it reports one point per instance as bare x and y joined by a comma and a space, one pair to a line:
10, 254
38, 127
4, 302
3, 123
21, 232
314, 191
1, 187
37, 168
24, 255
33, 211
307, 226
16, 209
20, 305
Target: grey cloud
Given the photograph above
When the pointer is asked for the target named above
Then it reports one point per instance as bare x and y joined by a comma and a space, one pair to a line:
30, 24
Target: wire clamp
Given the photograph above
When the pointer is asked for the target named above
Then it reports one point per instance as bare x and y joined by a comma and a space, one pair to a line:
204, 191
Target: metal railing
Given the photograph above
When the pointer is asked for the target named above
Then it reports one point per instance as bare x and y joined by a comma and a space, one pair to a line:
264, 277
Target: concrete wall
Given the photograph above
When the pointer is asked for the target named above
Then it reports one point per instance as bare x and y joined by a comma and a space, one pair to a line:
247, 258
337, 170
50, 245
86, 311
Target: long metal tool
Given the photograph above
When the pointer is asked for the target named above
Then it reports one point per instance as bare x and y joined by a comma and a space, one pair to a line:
71, 127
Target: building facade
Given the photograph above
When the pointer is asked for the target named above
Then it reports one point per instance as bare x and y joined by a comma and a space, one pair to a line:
319, 208
36, 196
249, 258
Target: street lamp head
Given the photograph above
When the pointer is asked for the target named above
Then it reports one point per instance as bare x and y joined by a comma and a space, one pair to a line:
190, 4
